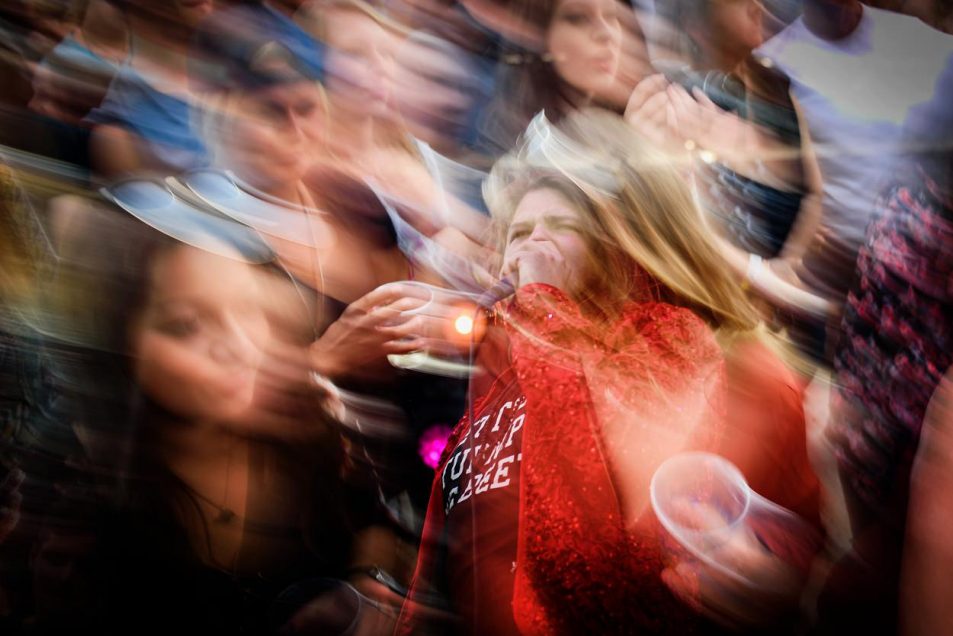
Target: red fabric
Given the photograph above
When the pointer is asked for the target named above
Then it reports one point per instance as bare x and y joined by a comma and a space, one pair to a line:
580, 567
765, 433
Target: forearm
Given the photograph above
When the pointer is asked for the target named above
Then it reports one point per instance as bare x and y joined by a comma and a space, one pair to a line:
927, 574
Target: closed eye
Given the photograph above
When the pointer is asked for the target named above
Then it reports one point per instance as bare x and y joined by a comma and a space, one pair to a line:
182, 327
565, 226
576, 18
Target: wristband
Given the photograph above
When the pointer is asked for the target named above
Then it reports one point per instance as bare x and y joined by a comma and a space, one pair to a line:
755, 265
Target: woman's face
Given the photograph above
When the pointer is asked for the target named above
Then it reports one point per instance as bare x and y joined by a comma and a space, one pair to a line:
359, 59
271, 134
585, 41
198, 341
433, 92
544, 218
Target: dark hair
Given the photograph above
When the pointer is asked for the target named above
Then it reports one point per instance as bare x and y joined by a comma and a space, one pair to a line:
528, 83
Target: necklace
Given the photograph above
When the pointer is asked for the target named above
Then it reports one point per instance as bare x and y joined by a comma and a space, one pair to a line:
226, 515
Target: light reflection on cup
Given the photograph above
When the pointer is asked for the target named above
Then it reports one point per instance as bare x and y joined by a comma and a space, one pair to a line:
452, 322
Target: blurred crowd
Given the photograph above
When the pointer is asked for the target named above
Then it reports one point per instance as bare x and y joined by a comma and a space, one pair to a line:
476, 317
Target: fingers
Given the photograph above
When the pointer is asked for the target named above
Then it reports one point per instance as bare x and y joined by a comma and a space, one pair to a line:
647, 88
416, 326
649, 121
394, 313
404, 346
704, 100
687, 116
390, 293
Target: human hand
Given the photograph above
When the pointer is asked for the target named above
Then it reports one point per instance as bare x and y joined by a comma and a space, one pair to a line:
710, 127
651, 113
379, 323
741, 583
539, 262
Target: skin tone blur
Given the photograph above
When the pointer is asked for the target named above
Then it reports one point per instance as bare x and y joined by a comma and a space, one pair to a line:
159, 35
426, 93
585, 42
199, 341
360, 53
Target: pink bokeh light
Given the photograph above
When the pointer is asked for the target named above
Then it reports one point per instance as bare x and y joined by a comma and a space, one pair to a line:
432, 443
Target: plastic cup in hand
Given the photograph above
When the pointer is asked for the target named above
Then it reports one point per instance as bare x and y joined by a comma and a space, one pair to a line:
716, 523
450, 322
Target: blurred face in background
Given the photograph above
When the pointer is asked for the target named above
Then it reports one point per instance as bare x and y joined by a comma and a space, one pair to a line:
359, 59
730, 29
584, 40
269, 136
434, 89
198, 341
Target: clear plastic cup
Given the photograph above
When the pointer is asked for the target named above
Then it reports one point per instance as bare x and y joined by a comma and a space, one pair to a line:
452, 322
717, 524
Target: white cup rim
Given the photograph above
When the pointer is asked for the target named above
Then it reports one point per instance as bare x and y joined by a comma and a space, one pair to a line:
676, 531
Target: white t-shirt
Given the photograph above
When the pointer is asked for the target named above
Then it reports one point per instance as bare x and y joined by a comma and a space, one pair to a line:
855, 95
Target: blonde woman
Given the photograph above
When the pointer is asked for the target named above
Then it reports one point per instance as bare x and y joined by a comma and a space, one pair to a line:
606, 364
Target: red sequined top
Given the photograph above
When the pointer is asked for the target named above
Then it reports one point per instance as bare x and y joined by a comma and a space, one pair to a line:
588, 560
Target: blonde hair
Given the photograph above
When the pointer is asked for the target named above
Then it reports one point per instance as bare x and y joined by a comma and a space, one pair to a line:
641, 207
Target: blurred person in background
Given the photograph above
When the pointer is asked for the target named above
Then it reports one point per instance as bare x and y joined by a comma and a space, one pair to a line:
212, 481
30, 31
360, 43
759, 173
369, 138
733, 117
576, 64
74, 76
892, 356
264, 118
31, 28
856, 73
143, 122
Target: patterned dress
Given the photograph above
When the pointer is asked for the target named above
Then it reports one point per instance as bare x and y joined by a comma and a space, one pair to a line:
897, 341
